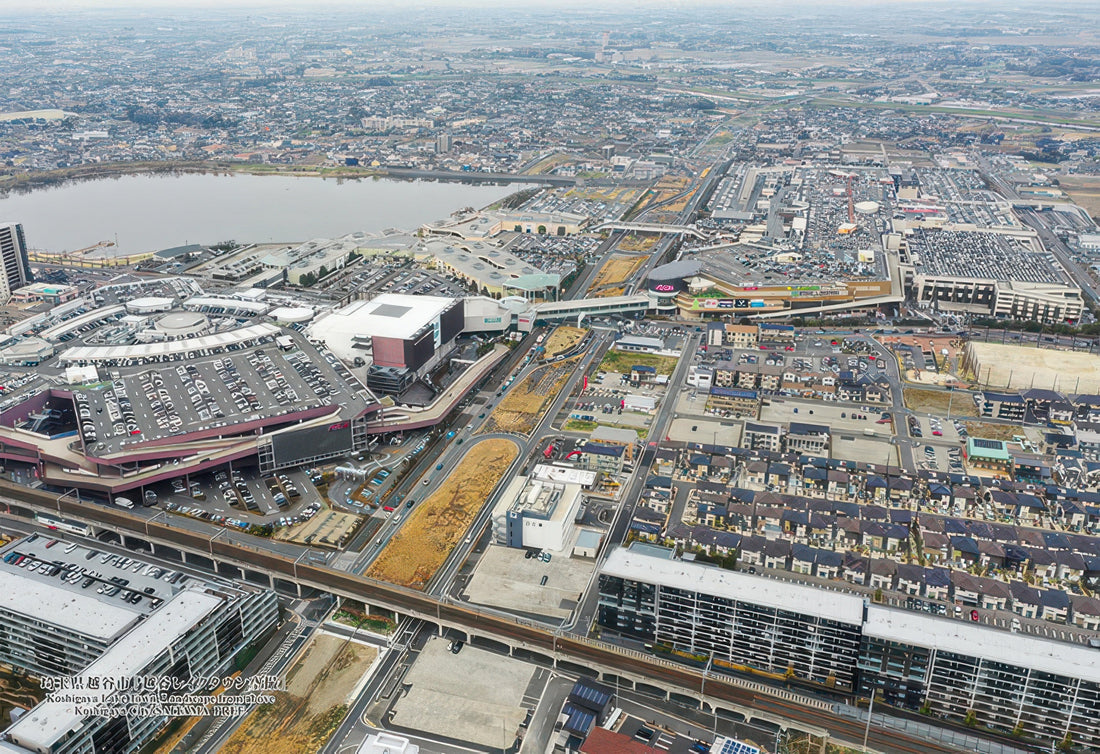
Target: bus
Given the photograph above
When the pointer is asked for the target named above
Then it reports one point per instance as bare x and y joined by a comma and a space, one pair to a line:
56, 523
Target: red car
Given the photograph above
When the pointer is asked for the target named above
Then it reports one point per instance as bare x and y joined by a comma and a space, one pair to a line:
974, 615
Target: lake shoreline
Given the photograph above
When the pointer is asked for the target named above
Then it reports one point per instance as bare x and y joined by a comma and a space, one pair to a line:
145, 207
25, 183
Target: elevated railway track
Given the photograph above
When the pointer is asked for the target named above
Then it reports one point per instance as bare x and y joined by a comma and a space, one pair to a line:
713, 691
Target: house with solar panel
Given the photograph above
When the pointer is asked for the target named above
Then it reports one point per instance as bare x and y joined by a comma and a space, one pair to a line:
589, 704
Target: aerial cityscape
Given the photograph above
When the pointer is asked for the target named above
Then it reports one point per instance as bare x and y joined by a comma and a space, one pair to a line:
535, 378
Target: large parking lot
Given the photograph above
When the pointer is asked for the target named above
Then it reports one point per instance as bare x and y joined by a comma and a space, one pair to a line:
137, 585
216, 391
241, 494
473, 696
839, 416
506, 579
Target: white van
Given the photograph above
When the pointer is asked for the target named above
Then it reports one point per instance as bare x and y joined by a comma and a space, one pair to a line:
124, 502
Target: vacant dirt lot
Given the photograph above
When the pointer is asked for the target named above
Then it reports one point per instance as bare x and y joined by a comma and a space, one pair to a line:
315, 701
937, 402
1022, 368
437, 524
1084, 190
562, 339
522, 408
616, 271
993, 431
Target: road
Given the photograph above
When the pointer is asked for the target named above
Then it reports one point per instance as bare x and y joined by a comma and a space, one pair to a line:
535, 638
581, 621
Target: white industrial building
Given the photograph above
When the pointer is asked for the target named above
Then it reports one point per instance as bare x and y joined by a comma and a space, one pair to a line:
539, 511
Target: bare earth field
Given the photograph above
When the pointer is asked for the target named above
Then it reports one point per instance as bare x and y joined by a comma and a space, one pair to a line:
993, 431
1023, 368
562, 339
1084, 190
436, 525
938, 401
315, 701
521, 409
615, 272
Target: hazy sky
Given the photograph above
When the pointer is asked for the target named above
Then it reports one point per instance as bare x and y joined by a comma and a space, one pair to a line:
302, 5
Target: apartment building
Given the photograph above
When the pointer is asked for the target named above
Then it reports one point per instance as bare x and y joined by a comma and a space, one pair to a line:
13, 257
960, 670
737, 619
54, 626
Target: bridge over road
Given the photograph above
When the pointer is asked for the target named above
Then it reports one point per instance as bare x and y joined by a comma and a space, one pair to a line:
647, 673
687, 230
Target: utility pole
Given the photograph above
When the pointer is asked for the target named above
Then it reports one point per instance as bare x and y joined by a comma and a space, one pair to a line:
870, 710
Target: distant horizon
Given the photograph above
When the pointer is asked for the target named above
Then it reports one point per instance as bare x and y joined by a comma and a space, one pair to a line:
298, 5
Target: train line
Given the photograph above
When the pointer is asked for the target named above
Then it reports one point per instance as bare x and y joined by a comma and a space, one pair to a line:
716, 688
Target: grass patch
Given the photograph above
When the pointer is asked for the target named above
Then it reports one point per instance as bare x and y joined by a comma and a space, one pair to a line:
938, 401
638, 242
993, 431
621, 361
436, 525
579, 425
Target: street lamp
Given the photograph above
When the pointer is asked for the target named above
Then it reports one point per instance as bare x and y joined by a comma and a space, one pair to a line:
870, 711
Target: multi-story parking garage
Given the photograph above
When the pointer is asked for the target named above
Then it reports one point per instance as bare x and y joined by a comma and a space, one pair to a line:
135, 620
1004, 273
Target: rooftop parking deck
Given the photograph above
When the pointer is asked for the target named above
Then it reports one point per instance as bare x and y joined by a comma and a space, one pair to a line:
262, 383
973, 254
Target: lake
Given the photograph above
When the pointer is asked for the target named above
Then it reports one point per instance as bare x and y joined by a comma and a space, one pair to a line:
152, 212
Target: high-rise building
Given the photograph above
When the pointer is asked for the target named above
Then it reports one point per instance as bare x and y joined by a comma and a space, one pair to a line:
13, 254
